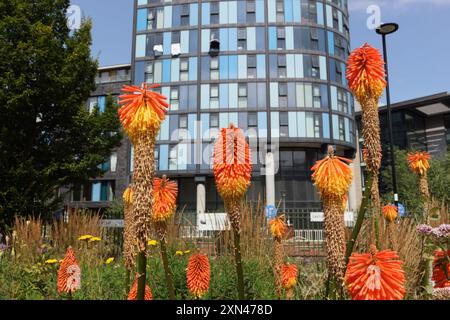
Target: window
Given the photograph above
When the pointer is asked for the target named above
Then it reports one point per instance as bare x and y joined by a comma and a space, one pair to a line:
242, 39
251, 66
342, 100
251, 12
214, 68
282, 66
280, 10
282, 95
173, 158
338, 71
174, 98
184, 70
284, 124
281, 38
242, 95
149, 72
214, 9
316, 96
341, 129
315, 67
252, 120
314, 39
151, 20
184, 16
183, 122
214, 96
317, 125
214, 120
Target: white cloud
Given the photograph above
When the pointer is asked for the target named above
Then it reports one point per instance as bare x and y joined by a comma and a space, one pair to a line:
361, 5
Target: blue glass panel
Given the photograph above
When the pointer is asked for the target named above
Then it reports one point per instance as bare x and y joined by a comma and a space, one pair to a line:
262, 124
141, 41
272, 38
193, 14
330, 42
141, 23
223, 96
139, 72
163, 157
335, 127
192, 68
204, 118
166, 70
232, 67
223, 36
260, 10
192, 126
275, 124
205, 13
320, 19
297, 13
326, 125
223, 67
261, 66
272, 10
288, 10
232, 39
167, 41
293, 124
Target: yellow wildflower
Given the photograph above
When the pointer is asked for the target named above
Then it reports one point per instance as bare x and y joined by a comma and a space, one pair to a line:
109, 260
51, 261
94, 239
152, 242
85, 237
179, 253
187, 251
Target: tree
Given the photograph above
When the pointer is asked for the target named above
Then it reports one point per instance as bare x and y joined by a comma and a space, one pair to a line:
47, 138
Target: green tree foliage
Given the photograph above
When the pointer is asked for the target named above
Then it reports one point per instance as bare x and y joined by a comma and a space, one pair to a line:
408, 182
47, 138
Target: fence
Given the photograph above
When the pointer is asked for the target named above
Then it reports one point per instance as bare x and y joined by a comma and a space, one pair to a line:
306, 237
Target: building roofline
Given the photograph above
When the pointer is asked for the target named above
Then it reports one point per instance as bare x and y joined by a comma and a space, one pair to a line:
115, 66
441, 97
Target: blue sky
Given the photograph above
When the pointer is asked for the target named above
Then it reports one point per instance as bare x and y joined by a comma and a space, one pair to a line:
419, 53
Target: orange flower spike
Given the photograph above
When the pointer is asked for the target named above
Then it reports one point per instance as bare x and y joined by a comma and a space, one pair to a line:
232, 163
164, 198
289, 274
198, 274
332, 175
366, 73
278, 227
142, 109
375, 276
69, 273
390, 212
132, 295
419, 162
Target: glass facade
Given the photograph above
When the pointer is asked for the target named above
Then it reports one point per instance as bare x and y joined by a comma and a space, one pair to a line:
275, 68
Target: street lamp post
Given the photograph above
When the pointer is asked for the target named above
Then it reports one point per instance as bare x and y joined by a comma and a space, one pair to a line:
384, 30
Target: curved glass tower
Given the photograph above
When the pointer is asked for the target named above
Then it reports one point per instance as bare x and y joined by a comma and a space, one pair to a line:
274, 68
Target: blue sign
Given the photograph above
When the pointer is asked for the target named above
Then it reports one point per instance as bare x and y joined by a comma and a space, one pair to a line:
401, 210
271, 211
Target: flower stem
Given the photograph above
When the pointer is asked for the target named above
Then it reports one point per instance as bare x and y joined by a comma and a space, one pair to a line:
359, 219
238, 261
141, 269
168, 273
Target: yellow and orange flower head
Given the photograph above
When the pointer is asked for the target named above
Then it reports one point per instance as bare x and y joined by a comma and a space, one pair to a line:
164, 198
143, 110
332, 175
366, 73
289, 274
132, 295
69, 273
390, 212
441, 269
419, 162
278, 227
128, 196
375, 276
232, 163
198, 274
